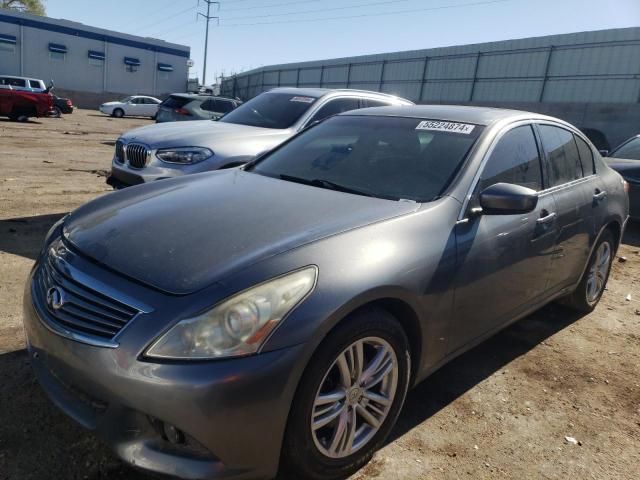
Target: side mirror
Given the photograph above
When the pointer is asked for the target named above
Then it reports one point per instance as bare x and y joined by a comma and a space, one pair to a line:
604, 153
507, 199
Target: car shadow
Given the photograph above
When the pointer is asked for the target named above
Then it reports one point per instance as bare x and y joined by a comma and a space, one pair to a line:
468, 370
24, 235
6, 120
632, 234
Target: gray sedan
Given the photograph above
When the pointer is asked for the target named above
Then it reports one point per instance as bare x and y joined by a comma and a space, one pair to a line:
170, 150
272, 317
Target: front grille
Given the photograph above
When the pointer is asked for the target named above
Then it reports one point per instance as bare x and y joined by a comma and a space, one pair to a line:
83, 310
119, 152
137, 155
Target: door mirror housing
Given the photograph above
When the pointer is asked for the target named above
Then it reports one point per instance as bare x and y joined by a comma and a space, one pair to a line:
604, 153
507, 199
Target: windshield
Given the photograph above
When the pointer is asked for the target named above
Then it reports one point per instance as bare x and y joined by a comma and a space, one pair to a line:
270, 110
629, 150
125, 100
385, 157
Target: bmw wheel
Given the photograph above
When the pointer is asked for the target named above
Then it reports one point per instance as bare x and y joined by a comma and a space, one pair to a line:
349, 397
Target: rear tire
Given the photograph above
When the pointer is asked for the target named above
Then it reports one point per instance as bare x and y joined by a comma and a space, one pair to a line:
593, 282
359, 378
118, 113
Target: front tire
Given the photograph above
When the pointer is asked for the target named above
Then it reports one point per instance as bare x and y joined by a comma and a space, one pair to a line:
118, 113
349, 397
593, 282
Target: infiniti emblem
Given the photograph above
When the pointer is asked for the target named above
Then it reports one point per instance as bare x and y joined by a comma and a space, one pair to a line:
55, 298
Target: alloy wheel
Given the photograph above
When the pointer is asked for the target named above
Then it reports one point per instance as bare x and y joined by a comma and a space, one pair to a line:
355, 397
598, 273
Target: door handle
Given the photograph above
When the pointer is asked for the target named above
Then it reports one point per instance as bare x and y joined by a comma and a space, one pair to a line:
599, 195
549, 217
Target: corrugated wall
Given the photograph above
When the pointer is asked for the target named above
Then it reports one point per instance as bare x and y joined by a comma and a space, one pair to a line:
590, 67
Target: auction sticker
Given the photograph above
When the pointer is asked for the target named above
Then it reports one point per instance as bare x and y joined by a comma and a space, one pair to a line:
303, 99
452, 127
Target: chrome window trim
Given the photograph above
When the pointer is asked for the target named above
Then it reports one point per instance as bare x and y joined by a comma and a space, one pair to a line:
462, 217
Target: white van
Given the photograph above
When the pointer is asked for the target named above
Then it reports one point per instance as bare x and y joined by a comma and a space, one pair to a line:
22, 83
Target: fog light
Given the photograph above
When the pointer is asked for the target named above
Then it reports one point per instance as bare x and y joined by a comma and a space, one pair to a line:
173, 434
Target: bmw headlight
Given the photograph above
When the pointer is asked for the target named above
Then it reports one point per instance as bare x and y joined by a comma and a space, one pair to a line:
240, 324
184, 155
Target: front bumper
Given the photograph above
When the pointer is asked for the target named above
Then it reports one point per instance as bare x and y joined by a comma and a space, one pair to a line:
232, 412
124, 176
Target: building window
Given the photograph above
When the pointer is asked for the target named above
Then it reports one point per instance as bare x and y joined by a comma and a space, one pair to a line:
7, 43
96, 59
57, 56
131, 64
57, 52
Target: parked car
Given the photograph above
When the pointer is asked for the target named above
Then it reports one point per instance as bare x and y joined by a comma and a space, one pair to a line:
23, 83
134, 106
186, 106
174, 149
20, 105
61, 105
625, 159
237, 322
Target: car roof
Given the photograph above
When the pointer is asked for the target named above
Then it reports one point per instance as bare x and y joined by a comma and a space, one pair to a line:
321, 92
202, 96
452, 113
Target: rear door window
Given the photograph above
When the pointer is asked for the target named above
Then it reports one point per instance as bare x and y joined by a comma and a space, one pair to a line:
586, 156
563, 159
224, 106
209, 106
515, 160
333, 107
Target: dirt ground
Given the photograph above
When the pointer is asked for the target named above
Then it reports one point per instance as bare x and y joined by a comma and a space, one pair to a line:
502, 410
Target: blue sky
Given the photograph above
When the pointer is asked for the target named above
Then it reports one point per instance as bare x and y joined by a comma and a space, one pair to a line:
254, 33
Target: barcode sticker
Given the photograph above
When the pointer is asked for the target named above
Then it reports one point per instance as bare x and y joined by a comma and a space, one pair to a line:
452, 127
303, 99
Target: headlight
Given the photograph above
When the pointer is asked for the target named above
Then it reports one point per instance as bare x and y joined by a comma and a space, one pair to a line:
184, 155
54, 232
239, 325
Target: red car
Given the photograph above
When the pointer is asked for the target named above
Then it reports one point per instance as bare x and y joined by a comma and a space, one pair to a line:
20, 105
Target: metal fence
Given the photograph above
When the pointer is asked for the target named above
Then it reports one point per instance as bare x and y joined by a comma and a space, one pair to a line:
593, 67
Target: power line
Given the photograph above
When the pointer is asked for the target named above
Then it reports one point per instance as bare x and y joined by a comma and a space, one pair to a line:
167, 18
397, 12
371, 4
274, 5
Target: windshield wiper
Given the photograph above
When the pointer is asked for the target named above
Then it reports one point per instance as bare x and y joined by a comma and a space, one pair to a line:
319, 182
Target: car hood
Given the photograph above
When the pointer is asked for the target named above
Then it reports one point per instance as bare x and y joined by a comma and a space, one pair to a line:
183, 235
111, 104
204, 133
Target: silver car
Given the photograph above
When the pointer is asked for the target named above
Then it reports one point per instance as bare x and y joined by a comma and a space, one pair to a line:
173, 149
179, 107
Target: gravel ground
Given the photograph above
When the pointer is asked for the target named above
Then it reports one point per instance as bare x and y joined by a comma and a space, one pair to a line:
502, 410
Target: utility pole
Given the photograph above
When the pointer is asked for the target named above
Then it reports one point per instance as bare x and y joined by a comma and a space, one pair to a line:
208, 17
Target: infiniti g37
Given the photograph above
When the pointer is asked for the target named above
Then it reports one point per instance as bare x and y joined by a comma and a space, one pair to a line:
236, 323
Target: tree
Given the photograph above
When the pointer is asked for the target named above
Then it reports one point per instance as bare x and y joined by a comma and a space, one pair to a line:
35, 7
